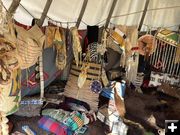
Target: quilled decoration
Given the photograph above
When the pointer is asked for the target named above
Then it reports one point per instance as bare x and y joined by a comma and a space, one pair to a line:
96, 86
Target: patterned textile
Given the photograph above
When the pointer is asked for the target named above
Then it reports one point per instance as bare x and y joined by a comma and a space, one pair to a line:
28, 84
51, 125
168, 36
94, 55
158, 78
10, 94
166, 56
91, 116
74, 121
29, 107
111, 118
57, 114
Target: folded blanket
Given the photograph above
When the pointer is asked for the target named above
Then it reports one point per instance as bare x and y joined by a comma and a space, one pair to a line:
75, 121
57, 114
53, 126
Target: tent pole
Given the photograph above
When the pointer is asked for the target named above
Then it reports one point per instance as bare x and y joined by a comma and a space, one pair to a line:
40, 23
107, 20
81, 13
110, 13
144, 14
44, 13
14, 5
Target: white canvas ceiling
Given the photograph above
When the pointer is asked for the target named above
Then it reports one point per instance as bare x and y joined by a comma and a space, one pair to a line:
161, 13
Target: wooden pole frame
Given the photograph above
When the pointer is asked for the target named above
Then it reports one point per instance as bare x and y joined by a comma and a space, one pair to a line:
14, 5
110, 13
40, 23
81, 13
44, 13
143, 15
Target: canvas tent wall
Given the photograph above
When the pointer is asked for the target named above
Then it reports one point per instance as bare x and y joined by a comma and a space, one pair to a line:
161, 13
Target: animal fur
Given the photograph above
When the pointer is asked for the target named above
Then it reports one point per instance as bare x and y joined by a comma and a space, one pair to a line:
169, 90
121, 110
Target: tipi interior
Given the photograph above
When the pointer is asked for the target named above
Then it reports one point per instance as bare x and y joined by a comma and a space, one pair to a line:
89, 67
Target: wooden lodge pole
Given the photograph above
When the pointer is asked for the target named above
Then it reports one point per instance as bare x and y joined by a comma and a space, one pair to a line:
40, 23
144, 14
81, 13
110, 13
44, 13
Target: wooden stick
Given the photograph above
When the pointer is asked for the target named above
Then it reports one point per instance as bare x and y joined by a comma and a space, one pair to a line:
81, 13
157, 54
40, 23
177, 70
143, 15
110, 13
154, 54
44, 13
14, 5
173, 65
165, 59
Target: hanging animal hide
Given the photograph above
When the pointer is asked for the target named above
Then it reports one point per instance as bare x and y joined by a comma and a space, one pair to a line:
77, 50
60, 44
9, 61
50, 34
3, 124
119, 103
146, 45
3, 19
104, 78
58, 36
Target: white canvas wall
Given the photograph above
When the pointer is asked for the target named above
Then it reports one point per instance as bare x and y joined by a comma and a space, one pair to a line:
97, 11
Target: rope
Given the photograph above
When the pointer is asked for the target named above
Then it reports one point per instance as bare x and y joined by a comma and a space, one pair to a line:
4, 6
59, 21
26, 10
117, 16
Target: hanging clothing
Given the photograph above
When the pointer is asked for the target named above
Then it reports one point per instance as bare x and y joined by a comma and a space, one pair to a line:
92, 36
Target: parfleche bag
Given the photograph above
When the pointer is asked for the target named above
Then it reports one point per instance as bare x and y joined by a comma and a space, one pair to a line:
10, 95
